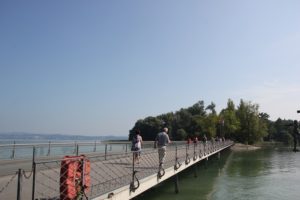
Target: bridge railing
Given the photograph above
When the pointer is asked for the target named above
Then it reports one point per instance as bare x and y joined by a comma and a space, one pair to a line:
112, 171
107, 171
50, 149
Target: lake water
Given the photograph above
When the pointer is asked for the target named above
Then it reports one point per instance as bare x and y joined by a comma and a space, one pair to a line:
265, 174
24, 148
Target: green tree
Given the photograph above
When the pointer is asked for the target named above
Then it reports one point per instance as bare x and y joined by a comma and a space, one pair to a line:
210, 125
231, 122
166, 119
149, 128
252, 128
244, 123
212, 108
197, 109
184, 118
197, 125
264, 125
181, 134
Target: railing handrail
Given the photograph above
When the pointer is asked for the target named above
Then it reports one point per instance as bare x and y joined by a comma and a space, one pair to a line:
49, 149
75, 142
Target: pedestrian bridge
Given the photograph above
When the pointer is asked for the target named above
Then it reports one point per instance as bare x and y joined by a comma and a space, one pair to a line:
110, 175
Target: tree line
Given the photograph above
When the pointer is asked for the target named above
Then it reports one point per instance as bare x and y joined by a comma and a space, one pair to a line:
243, 123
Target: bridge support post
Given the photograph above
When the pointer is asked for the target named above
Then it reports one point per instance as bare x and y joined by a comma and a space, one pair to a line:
206, 161
176, 182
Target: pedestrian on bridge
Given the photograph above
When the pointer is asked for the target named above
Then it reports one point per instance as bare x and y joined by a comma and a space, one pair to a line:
136, 147
161, 141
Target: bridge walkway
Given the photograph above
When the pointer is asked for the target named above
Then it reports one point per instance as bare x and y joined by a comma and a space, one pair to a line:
115, 175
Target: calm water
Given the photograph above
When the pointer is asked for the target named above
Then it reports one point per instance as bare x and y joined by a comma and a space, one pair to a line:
272, 173
69, 148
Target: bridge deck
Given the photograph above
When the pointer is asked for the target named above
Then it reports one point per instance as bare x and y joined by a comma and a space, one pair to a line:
114, 174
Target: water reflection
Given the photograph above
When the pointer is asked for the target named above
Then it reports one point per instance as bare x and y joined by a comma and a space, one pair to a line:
268, 173
271, 173
250, 163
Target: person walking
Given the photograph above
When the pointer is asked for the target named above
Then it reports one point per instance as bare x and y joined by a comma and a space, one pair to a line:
136, 147
161, 141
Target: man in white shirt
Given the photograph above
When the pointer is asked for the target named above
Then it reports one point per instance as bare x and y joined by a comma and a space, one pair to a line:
161, 141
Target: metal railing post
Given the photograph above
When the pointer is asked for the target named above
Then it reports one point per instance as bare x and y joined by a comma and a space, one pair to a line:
49, 147
95, 146
194, 152
133, 187
187, 158
186, 151
177, 163
77, 149
200, 153
105, 151
176, 154
19, 187
132, 181
133, 166
13, 151
34, 173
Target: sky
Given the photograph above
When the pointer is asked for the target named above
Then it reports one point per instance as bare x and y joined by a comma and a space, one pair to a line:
96, 67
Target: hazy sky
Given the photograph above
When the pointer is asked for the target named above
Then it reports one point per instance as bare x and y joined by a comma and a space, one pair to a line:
96, 67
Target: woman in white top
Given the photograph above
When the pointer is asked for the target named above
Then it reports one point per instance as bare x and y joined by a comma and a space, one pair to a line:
137, 146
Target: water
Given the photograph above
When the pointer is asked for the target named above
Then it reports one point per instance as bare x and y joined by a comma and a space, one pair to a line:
270, 173
54, 148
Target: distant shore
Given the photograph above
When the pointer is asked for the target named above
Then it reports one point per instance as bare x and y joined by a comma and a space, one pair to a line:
243, 147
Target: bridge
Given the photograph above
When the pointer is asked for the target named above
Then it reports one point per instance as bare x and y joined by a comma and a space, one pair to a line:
111, 175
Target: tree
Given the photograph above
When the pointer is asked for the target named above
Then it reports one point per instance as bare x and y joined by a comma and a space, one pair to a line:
197, 125
212, 108
210, 121
166, 119
252, 128
231, 122
210, 125
264, 124
184, 119
181, 134
244, 123
149, 128
197, 109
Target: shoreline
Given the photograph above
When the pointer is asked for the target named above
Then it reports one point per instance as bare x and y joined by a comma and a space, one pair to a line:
243, 147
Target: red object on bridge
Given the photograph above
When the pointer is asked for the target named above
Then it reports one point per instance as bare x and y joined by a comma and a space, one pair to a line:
75, 177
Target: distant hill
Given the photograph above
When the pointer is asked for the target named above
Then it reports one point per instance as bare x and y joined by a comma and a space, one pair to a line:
35, 136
